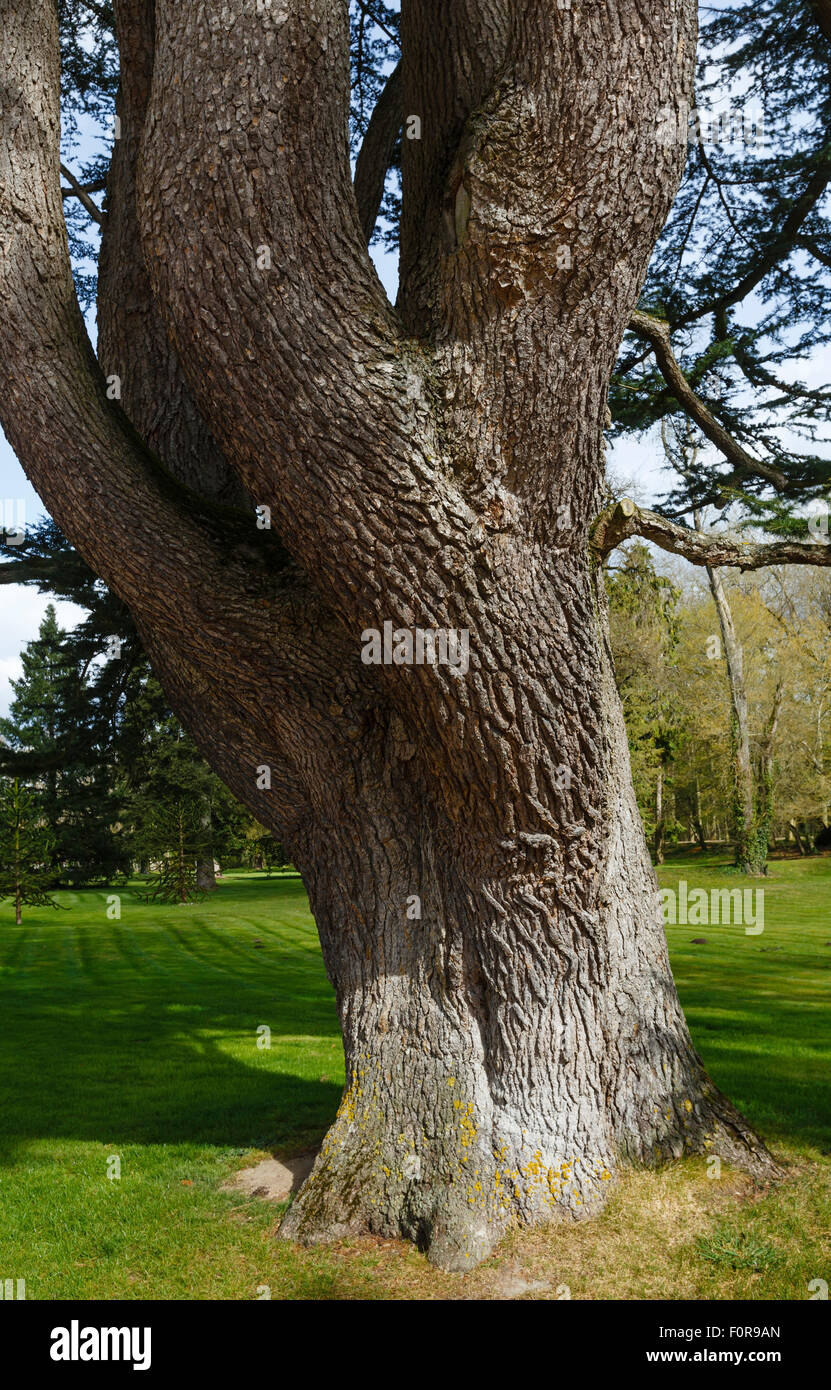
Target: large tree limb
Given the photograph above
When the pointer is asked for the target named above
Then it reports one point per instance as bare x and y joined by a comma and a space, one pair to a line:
260, 267
133, 344
657, 333
624, 519
516, 243
209, 593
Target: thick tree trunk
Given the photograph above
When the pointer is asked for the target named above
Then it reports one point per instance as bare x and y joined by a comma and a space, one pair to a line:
511, 1026
469, 838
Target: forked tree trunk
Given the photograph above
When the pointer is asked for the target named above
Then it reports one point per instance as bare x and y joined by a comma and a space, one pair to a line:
794, 828
469, 837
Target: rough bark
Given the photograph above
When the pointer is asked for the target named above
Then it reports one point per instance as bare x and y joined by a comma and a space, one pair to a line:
133, 346
437, 465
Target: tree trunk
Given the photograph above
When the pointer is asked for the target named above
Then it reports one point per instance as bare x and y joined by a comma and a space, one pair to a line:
205, 872
205, 875
765, 803
698, 821
467, 831
749, 835
510, 1046
660, 826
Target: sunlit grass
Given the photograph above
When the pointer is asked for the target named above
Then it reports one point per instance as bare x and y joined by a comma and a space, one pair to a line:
137, 1040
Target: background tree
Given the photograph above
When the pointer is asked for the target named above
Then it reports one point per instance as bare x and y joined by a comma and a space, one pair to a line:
121, 721
25, 845
53, 738
170, 794
170, 836
438, 463
779, 624
738, 295
644, 630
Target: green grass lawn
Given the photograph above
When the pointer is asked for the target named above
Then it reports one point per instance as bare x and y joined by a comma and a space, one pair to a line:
138, 1039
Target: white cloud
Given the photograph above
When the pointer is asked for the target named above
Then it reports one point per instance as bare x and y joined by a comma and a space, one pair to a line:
21, 612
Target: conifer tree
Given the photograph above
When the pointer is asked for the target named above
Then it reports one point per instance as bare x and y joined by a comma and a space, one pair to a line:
53, 740
25, 845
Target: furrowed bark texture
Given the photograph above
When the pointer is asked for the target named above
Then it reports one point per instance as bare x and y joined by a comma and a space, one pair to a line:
132, 341
469, 837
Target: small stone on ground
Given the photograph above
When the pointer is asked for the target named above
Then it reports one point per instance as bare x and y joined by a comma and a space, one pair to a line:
274, 1179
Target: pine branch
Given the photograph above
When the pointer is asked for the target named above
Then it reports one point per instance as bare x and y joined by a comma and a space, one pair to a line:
657, 333
78, 191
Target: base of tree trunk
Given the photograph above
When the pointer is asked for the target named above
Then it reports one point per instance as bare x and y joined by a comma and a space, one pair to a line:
469, 1176
514, 1046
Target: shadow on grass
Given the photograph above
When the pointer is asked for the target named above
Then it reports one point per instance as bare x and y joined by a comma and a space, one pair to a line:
152, 1075
145, 1030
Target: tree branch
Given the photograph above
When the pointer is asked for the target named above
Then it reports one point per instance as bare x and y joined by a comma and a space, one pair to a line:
30, 569
625, 519
101, 12
133, 343
810, 244
97, 187
379, 24
376, 151
780, 246
78, 191
516, 227
657, 332
292, 350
